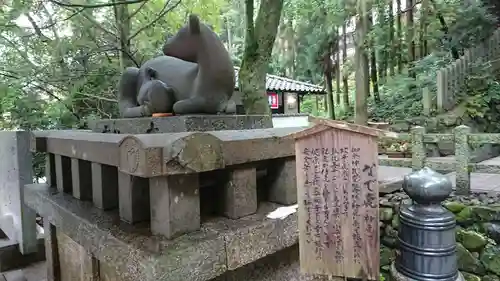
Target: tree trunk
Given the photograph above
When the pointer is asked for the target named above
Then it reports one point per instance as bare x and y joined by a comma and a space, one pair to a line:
291, 49
373, 74
259, 41
344, 75
424, 9
336, 69
123, 25
410, 34
390, 57
373, 65
399, 34
327, 73
362, 65
382, 54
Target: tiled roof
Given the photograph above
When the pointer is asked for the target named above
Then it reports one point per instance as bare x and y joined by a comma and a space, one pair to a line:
278, 83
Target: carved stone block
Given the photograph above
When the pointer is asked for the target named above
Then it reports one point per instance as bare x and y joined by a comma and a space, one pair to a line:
81, 174
104, 186
283, 181
175, 204
133, 200
182, 123
240, 193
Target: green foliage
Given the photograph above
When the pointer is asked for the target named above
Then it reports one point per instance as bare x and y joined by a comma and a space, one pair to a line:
402, 94
482, 96
60, 65
471, 24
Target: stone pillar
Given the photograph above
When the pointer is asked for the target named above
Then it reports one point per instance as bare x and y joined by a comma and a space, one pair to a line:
16, 170
175, 204
427, 245
81, 174
462, 157
50, 169
133, 198
104, 186
63, 173
240, 193
418, 153
427, 101
283, 181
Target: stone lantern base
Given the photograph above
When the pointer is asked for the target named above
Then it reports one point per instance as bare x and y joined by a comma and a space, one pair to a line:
400, 277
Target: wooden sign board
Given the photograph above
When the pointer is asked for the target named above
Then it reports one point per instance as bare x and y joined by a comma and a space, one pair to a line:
337, 186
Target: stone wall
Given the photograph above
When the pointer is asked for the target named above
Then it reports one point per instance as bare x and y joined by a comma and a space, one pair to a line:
477, 233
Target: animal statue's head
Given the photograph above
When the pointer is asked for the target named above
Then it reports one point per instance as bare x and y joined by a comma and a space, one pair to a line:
156, 93
185, 44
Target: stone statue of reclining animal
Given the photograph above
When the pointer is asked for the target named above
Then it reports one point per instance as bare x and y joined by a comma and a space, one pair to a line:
195, 76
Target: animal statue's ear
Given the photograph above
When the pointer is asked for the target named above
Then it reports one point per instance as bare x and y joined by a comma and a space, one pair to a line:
194, 24
151, 73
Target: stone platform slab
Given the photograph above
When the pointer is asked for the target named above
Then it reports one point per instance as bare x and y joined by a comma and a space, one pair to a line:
126, 252
182, 123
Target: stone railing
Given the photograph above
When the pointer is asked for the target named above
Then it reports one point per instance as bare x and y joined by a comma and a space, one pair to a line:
462, 138
203, 184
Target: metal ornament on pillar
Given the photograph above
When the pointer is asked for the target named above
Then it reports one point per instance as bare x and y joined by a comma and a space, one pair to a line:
427, 245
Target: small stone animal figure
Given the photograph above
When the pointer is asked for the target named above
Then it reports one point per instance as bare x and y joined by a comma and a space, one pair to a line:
194, 76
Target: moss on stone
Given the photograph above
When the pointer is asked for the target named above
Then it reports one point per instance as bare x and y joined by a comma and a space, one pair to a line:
386, 256
490, 277
467, 262
470, 277
490, 257
471, 240
464, 216
454, 206
395, 222
386, 214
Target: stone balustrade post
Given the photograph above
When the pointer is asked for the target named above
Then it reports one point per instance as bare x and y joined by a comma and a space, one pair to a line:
418, 153
462, 157
427, 247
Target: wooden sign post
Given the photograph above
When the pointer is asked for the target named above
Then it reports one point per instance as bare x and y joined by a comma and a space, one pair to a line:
337, 186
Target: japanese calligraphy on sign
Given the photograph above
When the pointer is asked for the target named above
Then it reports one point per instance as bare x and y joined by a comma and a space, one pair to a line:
338, 200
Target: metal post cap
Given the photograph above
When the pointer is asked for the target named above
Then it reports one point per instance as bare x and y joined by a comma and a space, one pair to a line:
427, 186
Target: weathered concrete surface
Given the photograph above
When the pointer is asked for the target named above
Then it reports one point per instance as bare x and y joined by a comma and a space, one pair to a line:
182, 123
280, 266
77, 264
99, 148
11, 257
240, 147
16, 220
33, 272
134, 254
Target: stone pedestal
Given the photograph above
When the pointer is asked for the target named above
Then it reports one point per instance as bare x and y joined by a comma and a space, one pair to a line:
182, 123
